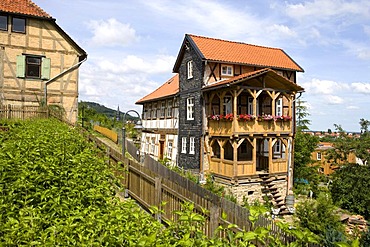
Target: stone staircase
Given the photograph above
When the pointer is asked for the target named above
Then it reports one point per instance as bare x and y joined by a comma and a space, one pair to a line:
272, 192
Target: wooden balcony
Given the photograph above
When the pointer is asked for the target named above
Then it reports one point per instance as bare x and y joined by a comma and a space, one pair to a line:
233, 170
237, 127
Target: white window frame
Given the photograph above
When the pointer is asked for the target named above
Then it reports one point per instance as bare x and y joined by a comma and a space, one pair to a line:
163, 109
190, 69
169, 108
318, 156
183, 145
192, 145
169, 149
152, 145
279, 107
227, 70
190, 108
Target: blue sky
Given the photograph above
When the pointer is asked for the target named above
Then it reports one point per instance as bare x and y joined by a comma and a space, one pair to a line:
132, 46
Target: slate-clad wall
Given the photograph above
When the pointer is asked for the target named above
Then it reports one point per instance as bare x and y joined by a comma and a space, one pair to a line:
190, 128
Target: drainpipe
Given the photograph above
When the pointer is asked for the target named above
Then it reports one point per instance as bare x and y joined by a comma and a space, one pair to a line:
60, 75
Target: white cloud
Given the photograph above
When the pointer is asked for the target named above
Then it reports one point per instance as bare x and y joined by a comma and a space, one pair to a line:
317, 86
133, 64
112, 33
333, 99
352, 107
359, 87
325, 9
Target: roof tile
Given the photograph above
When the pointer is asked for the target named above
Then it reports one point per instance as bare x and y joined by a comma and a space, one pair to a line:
23, 7
237, 52
169, 88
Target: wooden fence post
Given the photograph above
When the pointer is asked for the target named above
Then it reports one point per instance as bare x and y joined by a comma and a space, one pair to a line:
9, 111
158, 197
214, 215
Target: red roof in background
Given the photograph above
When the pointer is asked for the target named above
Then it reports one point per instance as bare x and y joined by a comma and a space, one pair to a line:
169, 88
23, 7
237, 52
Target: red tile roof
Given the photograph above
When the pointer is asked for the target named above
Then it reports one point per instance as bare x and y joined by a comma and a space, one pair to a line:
250, 75
242, 53
22, 7
169, 88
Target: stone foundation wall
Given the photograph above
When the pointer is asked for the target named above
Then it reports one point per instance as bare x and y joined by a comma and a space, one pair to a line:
254, 191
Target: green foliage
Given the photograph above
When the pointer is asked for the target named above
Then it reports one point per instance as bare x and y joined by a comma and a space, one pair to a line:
301, 116
350, 189
365, 238
55, 189
318, 215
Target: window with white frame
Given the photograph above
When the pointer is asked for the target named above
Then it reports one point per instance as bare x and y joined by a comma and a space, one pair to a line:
183, 145
169, 149
279, 107
154, 111
190, 108
163, 108
227, 70
169, 108
190, 69
192, 145
318, 156
147, 141
152, 145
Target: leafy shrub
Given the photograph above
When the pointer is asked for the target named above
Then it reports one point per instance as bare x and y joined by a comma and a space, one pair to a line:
319, 216
350, 189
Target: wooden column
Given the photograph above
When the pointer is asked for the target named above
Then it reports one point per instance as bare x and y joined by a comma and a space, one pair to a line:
271, 167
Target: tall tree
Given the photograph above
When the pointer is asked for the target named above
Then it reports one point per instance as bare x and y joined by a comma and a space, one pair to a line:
304, 145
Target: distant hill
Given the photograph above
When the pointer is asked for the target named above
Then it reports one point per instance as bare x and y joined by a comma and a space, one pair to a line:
101, 109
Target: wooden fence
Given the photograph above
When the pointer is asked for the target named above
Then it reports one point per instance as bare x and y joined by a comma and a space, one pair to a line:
107, 132
151, 183
22, 112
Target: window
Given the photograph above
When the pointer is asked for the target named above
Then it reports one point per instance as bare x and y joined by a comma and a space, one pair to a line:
318, 156
32, 66
190, 69
192, 145
3, 22
169, 149
152, 145
169, 108
279, 107
190, 108
250, 105
19, 25
183, 145
147, 141
226, 70
227, 107
163, 108
154, 111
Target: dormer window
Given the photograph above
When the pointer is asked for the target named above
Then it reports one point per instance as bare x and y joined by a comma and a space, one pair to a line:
3, 22
227, 70
190, 69
19, 25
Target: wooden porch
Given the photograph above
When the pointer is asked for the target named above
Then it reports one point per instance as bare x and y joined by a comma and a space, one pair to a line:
249, 156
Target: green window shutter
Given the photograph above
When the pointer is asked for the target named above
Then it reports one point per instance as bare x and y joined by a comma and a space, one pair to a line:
21, 66
45, 68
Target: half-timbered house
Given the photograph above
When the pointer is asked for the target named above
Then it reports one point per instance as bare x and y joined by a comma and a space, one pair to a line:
237, 115
160, 121
38, 61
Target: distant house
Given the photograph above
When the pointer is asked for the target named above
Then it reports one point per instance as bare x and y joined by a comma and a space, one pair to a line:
229, 111
38, 61
326, 166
